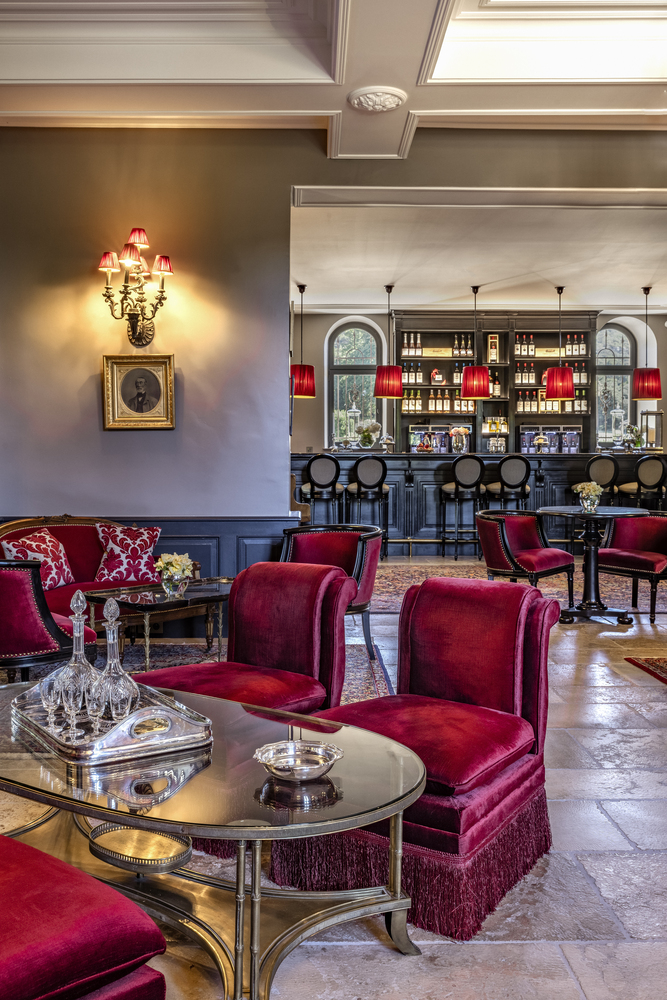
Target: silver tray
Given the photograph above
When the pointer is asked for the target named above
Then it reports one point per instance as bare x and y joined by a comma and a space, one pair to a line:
159, 725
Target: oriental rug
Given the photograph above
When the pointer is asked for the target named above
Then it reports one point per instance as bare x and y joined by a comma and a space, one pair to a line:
392, 581
654, 665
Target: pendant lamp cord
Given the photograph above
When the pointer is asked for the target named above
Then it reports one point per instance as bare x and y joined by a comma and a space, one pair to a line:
302, 289
646, 291
560, 289
474, 289
389, 289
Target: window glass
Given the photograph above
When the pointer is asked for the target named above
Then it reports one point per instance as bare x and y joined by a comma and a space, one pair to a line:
612, 347
613, 394
355, 347
353, 403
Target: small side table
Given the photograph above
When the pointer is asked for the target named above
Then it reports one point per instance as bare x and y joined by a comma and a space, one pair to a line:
591, 605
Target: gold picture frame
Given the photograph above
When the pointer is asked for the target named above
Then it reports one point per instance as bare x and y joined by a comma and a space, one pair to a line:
138, 392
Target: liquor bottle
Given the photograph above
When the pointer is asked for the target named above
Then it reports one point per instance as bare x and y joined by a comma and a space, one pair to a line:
447, 403
531, 374
575, 347
582, 347
439, 401
457, 402
577, 401
524, 346
517, 345
519, 403
568, 347
575, 374
542, 404
583, 378
496, 386
517, 374
531, 347
455, 349
472, 406
493, 349
524, 374
548, 405
412, 377
405, 351
418, 346
419, 375
492, 425
464, 406
469, 347
505, 427
457, 374
411, 401
431, 402
405, 407
404, 373
533, 403
568, 406
418, 406
584, 402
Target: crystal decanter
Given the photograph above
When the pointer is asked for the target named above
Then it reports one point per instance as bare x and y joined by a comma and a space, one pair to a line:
116, 684
84, 673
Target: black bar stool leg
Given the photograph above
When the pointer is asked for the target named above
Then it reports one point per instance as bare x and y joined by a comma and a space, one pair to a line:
457, 508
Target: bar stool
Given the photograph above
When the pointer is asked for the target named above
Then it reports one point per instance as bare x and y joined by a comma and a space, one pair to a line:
514, 472
367, 482
467, 471
650, 474
320, 482
603, 470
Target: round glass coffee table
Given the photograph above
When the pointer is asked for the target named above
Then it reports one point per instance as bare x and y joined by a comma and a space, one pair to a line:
591, 604
223, 793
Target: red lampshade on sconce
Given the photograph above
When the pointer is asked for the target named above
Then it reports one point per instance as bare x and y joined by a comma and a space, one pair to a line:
475, 384
130, 255
388, 378
162, 265
646, 381
302, 376
109, 261
139, 239
560, 381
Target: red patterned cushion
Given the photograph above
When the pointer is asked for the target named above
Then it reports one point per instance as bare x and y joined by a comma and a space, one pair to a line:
128, 554
55, 569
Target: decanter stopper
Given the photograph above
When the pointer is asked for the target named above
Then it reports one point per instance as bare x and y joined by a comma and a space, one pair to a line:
78, 603
111, 611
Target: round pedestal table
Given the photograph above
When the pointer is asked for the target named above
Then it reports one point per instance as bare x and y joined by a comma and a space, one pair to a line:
594, 522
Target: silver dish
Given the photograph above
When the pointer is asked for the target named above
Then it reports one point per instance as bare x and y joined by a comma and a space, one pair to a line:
298, 760
292, 797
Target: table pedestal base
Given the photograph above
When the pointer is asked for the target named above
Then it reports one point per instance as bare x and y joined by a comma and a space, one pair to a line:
568, 615
213, 912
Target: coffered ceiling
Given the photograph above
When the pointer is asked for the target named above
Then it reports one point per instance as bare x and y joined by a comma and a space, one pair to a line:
294, 63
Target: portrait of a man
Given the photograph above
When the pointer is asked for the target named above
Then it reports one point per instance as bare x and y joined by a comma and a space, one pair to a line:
140, 390
138, 397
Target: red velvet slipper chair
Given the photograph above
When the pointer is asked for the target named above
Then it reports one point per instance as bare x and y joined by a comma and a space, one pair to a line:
514, 545
637, 547
65, 935
286, 645
353, 547
472, 702
29, 633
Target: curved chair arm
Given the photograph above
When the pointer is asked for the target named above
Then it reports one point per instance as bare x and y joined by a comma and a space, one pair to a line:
365, 532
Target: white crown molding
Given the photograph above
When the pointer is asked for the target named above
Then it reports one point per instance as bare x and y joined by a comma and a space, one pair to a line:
45, 11
327, 196
441, 19
340, 38
614, 119
334, 135
162, 119
411, 124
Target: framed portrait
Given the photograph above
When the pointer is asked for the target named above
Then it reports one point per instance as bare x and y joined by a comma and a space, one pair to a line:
138, 392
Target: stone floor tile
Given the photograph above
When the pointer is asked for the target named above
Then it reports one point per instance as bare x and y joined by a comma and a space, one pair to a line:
554, 902
574, 716
624, 747
602, 783
619, 970
635, 886
631, 694
591, 674
16, 811
561, 750
555, 699
189, 972
579, 825
643, 821
441, 972
637, 676
655, 714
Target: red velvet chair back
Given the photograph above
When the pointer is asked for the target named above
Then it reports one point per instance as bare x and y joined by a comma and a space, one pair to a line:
23, 630
521, 533
291, 616
463, 640
355, 554
646, 534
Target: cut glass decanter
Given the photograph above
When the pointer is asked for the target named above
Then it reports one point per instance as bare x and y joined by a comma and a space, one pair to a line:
117, 686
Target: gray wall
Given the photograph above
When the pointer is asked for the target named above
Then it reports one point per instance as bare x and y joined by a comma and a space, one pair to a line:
218, 202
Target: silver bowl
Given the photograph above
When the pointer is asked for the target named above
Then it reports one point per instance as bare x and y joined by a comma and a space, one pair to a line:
298, 760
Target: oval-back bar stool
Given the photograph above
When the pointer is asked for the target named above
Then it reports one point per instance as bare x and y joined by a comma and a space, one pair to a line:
650, 474
367, 482
466, 488
514, 472
603, 470
320, 483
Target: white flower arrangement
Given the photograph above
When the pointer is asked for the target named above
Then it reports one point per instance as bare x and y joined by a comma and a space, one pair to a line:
174, 564
459, 431
368, 431
588, 489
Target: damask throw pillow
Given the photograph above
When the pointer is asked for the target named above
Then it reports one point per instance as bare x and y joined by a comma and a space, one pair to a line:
128, 554
55, 570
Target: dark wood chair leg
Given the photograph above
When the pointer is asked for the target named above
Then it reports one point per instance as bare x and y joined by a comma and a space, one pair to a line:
532, 579
570, 587
654, 594
11, 674
513, 579
489, 576
635, 592
25, 673
366, 622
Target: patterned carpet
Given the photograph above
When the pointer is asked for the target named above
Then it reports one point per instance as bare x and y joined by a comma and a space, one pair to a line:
656, 666
392, 581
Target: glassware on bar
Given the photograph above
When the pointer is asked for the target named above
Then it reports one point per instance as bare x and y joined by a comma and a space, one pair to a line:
114, 681
71, 693
95, 705
49, 691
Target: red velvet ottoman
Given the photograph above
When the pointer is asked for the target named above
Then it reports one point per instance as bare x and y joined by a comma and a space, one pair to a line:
64, 935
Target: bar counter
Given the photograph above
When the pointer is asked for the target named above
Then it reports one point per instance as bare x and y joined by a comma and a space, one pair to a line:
415, 479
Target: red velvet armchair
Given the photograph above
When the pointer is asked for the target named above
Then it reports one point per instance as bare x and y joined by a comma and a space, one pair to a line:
514, 545
65, 935
29, 633
472, 702
637, 548
353, 547
286, 646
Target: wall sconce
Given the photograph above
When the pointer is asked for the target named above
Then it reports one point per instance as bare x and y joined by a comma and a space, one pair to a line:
134, 306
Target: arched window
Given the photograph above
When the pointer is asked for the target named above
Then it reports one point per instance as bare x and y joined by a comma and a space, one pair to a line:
615, 357
354, 353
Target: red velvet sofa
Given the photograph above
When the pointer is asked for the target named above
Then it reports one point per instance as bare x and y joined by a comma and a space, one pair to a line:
636, 547
472, 703
65, 935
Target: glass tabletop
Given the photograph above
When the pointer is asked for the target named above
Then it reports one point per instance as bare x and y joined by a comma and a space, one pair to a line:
599, 514
199, 592
222, 792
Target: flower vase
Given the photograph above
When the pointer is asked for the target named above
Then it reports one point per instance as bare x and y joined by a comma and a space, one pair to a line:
458, 443
174, 584
589, 504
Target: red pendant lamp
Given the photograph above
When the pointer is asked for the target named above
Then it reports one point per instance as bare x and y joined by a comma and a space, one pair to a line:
475, 383
646, 381
302, 376
388, 378
560, 381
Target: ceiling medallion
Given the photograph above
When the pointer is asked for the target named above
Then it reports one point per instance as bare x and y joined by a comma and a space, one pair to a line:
377, 98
